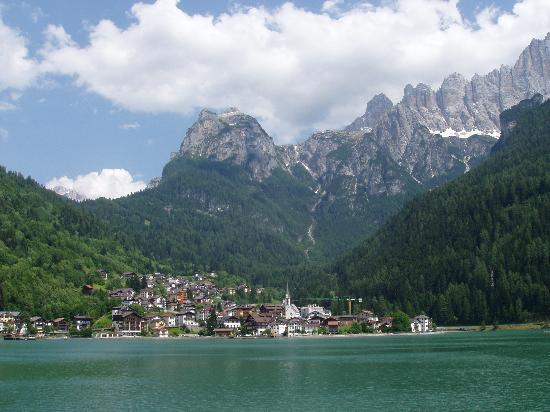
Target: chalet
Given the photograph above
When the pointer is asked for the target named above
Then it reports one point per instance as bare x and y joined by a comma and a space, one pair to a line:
127, 322
223, 332
186, 319
38, 323
243, 288
331, 324
125, 293
273, 310
87, 290
128, 275
203, 314
259, 291
10, 321
295, 326
310, 311
159, 302
60, 325
181, 296
103, 274
231, 322
160, 333
231, 291
242, 311
147, 293
421, 324
169, 320
385, 322
366, 316
256, 324
82, 322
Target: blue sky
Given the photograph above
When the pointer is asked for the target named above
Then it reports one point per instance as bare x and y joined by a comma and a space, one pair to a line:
73, 113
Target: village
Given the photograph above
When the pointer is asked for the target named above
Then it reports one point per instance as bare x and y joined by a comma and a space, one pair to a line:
172, 306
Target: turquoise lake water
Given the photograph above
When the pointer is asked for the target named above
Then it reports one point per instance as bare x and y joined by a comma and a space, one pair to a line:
459, 371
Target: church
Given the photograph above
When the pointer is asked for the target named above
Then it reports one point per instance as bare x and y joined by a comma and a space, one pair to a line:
290, 310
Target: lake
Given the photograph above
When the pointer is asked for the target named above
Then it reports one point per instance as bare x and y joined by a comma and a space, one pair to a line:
500, 370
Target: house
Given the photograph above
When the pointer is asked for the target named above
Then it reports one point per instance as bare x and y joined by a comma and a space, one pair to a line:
103, 274
169, 320
82, 322
10, 321
331, 324
223, 332
87, 290
157, 326
366, 316
257, 324
147, 293
159, 302
203, 314
60, 325
231, 291
231, 322
124, 294
127, 322
160, 333
129, 275
38, 323
295, 326
186, 319
181, 296
385, 322
310, 311
421, 324
242, 311
273, 310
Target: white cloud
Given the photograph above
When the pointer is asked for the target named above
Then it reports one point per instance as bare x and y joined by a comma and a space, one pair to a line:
7, 106
291, 68
109, 183
18, 70
130, 126
4, 135
331, 5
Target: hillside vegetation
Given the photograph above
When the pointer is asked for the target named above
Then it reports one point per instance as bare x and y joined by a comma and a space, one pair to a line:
475, 250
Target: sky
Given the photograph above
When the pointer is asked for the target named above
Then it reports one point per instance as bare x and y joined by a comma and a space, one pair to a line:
95, 95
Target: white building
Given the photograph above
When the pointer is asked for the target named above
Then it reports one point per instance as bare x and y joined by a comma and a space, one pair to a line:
421, 324
231, 322
309, 311
291, 311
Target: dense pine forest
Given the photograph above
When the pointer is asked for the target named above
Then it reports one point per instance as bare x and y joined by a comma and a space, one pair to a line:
208, 215
50, 248
476, 250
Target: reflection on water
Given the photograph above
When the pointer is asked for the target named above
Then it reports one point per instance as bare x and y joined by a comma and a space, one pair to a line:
491, 370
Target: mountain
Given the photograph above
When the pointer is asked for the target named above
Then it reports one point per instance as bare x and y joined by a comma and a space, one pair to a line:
49, 248
232, 199
475, 250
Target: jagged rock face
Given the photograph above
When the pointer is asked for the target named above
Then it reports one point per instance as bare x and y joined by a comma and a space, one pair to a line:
422, 141
472, 106
233, 136
377, 107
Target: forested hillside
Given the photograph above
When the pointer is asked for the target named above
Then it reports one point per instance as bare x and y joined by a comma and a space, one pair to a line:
475, 250
211, 215
49, 248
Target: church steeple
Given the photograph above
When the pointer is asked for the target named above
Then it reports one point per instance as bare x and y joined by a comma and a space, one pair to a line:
287, 296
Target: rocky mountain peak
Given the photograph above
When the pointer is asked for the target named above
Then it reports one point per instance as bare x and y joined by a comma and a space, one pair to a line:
233, 136
377, 107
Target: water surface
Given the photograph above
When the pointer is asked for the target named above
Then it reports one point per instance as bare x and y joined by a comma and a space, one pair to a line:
457, 371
